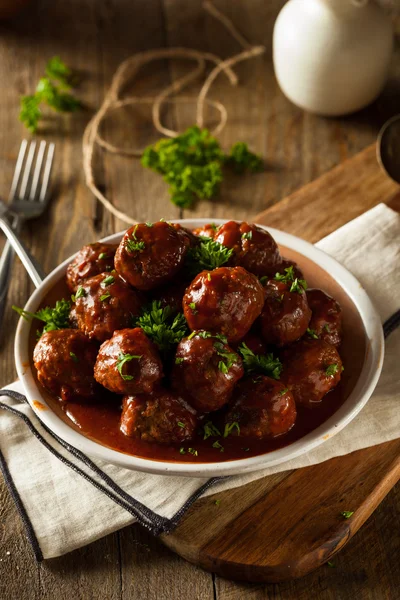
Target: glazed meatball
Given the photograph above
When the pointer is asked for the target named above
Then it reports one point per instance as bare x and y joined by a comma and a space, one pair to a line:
227, 300
163, 419
285, 315
128, 363
208, 230
90, 261
326, 319
206, 371
64, 361
254, 248
311, 369
254, 342
150, 255
262, 408
104, 304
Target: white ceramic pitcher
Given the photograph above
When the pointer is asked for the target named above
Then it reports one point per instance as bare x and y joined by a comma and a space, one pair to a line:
331, 57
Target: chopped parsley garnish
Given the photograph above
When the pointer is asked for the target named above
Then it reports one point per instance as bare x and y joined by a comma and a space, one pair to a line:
105, 296
297, 285
312, 333
219, 446
331, 370
182, 451
55, 318
193, 308
122, 360
326, 328
206, 256
192, 164
228, 358
266, 364
162, 326
149, 224
263, 279
229, 427
208, 334
209, 276
247, 236
193, 451
179, 360
103, 255
132, 245
346, 514
80, 293
107, 281
284, 391
74, 357
210, 430
180, 424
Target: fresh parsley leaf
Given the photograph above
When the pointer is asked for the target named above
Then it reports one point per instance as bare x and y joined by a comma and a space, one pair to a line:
192, 164
260, 363
182, 451
210, 430
193, 451
206, 256
193, 308
241, 159
209, 276
346, 514
107, 281
228, 358
162, 326
208, 334
180, 424
284, 391
149, 224
179, 360
312, 333
331, 370
55, 318
50, 94
326, 328
219, 446
297, 285
122, 360
30, 112
105, 296
58, 70
247, 236
103, 255
133, 246
74, 357
229, 427
80, 292
263, 279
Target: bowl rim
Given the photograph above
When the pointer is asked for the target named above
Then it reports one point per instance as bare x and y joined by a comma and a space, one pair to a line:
357, 399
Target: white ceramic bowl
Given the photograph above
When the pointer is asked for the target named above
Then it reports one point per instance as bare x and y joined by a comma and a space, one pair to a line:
372, 361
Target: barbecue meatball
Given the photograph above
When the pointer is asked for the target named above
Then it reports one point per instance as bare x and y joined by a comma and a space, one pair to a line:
227, 300
128, 363
205, 372
312, 368
326, 319
150, 255
254, 248
104, 304
90, 261
64, 361
208, 230
262, 407
286, 315
163, 419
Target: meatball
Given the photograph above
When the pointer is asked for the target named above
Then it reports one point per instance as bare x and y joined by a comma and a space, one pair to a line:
171, 295
286, 315
262, 408
150, 255
311, 369
254, 248
254, 342
128, 363
326, 318
64, 360
105, 303
90, 260
163, 419
206, 371
227, 300
208, 230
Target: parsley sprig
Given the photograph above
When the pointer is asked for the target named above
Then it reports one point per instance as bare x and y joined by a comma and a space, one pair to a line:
162, 325
122, 360
207, 255
49, 91
332, 369
133, 245
297, 285
192, 164
228, 359
56, 317
266, 364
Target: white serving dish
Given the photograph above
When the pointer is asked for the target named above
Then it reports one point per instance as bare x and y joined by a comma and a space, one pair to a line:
305, 253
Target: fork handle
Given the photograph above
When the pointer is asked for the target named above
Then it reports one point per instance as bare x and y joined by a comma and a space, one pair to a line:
34, 270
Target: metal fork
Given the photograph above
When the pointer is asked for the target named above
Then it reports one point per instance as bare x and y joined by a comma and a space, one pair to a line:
28, 199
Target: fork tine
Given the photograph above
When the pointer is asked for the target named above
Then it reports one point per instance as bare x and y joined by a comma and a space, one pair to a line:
47, 172
38, 167
18, 170
27, 170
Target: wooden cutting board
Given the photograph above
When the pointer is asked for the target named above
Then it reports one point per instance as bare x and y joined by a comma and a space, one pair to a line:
286, 525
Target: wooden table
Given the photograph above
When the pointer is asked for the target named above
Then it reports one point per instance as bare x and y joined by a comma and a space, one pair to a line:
95, 37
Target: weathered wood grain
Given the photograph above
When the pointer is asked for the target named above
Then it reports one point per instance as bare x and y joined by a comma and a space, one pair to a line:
95, 37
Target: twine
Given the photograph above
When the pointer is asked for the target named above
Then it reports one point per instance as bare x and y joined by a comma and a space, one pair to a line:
127, 72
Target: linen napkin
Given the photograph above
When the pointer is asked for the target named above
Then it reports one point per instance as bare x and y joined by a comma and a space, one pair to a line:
56, 487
